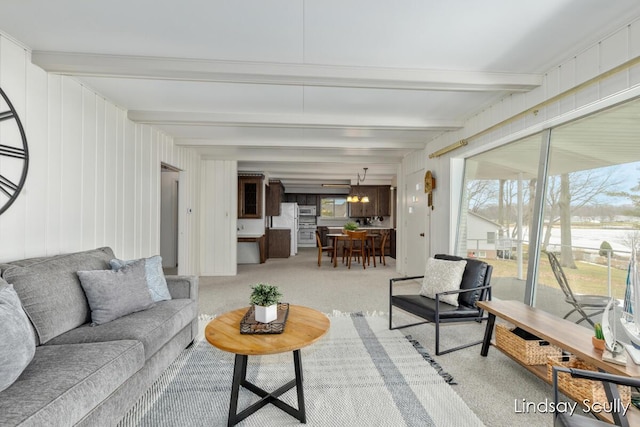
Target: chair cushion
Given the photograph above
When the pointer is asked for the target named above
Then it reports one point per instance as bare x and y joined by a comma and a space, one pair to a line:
50, 290
475, 274
441, 276
426, 308
18, 343
153, 274
116, 293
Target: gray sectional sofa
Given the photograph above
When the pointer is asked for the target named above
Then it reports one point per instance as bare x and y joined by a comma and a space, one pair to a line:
83, 374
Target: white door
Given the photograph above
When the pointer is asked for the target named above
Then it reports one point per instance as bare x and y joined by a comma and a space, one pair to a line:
416, 224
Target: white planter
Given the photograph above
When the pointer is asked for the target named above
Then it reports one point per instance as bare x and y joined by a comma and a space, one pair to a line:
266, 314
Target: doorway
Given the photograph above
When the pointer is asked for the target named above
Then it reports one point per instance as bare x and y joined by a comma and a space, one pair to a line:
169, 193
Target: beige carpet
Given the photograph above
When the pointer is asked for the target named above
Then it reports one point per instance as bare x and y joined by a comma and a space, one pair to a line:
490, 386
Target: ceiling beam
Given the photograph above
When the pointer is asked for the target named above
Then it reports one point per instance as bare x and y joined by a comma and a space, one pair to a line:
141, 67
288, 121
324, 144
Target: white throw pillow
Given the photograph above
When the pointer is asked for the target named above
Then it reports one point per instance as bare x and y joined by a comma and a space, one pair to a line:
441, 276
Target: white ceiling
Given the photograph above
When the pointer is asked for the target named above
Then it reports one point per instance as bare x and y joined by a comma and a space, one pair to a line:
308, 89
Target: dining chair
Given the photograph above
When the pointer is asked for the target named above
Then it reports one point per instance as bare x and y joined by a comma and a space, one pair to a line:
322, 249
384, 235
357, 246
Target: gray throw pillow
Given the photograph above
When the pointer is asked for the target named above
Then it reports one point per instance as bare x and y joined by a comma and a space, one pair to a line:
153, 273
17, 342
113, 294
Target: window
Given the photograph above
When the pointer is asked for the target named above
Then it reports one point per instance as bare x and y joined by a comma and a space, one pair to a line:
491, 237
588, 213
333, 207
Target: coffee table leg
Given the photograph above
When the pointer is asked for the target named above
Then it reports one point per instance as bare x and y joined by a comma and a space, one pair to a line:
297, 362
239, 375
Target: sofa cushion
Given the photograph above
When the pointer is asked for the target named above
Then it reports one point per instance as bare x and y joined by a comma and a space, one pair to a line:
18, 345
116, 293
442, 276
63, 382
153, 274
50, 290
153, 327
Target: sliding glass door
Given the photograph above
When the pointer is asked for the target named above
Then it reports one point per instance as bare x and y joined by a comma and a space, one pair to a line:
587, 214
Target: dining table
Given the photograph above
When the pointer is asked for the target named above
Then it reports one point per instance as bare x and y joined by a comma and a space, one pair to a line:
341, 236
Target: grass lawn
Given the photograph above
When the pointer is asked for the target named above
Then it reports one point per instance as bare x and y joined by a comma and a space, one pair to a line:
587, 278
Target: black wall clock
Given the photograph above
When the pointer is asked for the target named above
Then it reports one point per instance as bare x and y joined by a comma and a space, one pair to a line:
14, 154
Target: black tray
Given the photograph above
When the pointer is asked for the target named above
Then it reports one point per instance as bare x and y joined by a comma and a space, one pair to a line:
249, 324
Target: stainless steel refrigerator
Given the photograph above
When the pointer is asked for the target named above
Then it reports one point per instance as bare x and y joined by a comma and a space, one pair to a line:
288, 218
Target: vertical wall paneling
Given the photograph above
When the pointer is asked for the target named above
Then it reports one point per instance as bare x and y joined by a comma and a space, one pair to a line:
109, 184
94, 177
13, 82
89, 160
100, 171
36, 125
118, 180
72, 166
145, 189
219, 218
129, 211
54, 189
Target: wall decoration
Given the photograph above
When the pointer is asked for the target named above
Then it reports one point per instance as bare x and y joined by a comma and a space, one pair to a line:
14, 154
429, 186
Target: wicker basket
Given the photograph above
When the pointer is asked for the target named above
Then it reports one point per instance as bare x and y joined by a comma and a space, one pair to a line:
528, 350
582, 389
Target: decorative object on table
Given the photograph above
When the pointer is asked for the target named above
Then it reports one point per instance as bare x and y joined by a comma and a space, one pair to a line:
14, 154
351, 226
613, 351
632, 306
598, 339
249, 324
265, 299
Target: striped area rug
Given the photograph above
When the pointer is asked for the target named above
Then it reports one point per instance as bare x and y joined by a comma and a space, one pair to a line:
359, 374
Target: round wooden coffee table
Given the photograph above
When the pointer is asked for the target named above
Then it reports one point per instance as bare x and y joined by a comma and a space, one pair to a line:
304, 327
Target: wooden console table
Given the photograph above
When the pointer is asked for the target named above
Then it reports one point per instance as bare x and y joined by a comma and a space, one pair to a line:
562, 333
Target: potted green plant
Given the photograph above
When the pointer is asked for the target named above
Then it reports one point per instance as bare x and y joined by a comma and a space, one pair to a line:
351, 226
598, 339
265, 299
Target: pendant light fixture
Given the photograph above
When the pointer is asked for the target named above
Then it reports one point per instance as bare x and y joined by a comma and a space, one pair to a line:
356, 196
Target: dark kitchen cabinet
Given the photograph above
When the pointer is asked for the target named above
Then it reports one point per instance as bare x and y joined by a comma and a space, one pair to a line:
279, 243
250, 196
274, 196
383, 207
360, 210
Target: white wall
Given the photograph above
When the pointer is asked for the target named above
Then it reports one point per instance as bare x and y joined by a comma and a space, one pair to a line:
94, 176
617, 49
219, 217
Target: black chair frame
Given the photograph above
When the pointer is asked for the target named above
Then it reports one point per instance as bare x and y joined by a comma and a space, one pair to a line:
608, 381
585, 305
434, 315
